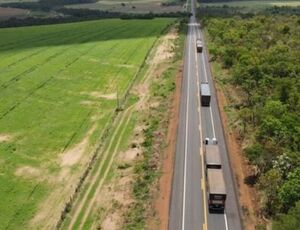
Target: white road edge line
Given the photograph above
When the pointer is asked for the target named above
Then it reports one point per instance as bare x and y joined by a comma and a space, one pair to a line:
186, 134
206, 79
212, 122
225, 218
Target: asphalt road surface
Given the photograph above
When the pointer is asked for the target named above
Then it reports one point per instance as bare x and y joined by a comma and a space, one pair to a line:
188, 207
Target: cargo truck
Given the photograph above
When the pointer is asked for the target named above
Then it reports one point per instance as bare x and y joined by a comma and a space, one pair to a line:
199, 46
212, 157
216, 190
205, 94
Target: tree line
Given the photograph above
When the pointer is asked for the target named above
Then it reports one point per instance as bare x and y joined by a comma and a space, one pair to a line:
261, 55
67, 15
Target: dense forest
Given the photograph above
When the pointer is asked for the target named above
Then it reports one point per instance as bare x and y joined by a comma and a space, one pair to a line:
260, 57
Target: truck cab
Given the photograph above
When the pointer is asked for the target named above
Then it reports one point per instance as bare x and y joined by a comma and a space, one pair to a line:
216, 190
199, 45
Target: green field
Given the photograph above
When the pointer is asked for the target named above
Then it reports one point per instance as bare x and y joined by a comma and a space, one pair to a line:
57, 84
255, 4
8, 1
132, 6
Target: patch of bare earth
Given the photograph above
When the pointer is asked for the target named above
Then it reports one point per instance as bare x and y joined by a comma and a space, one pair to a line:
6, 12
63, 184
28, 172
165, 50
111, 222
97, 94
5, 137
116, 197
248, 197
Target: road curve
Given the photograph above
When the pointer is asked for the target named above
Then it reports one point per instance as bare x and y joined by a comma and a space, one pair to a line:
188, 207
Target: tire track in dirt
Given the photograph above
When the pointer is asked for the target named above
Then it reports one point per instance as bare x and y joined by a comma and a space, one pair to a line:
103, 178
98, 174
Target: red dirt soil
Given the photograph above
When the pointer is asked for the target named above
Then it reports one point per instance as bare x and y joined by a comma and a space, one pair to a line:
162, 202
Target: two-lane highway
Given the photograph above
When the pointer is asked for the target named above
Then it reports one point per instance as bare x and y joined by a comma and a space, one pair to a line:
186, 191
188, 208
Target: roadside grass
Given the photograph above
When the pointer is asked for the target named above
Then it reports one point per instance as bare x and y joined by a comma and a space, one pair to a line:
156, 122
48, 77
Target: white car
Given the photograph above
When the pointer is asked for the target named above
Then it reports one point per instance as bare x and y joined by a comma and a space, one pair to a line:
212, 141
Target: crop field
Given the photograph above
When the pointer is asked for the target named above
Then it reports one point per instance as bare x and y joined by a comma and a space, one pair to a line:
255, 4
59, 88
134, 6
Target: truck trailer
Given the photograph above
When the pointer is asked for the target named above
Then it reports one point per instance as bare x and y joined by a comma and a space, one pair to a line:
199, 46
205, 94
216, 190
212, 157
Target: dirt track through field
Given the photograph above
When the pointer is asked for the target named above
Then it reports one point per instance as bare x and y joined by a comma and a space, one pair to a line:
94, 179
91, 203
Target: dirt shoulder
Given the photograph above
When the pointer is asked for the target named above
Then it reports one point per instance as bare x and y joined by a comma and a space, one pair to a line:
162, 203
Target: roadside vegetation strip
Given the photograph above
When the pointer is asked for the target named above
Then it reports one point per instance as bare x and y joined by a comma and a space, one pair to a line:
48, 110
262, 82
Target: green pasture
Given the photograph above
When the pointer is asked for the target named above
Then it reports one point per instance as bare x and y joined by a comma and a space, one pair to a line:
255, 4
132, 6
53, 80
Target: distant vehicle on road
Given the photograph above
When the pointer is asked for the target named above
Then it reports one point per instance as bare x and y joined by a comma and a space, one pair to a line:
199, 45
213, 141
216, 190
205, 94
